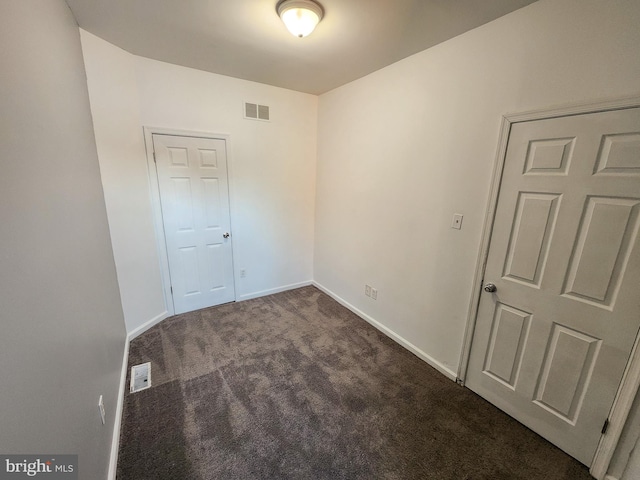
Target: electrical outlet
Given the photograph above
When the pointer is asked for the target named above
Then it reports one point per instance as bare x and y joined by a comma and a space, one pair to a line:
367, 290
101, 408
457, 221
243, 273
374, 293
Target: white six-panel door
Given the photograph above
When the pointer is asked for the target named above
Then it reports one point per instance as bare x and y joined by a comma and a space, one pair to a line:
194, 197
551, 343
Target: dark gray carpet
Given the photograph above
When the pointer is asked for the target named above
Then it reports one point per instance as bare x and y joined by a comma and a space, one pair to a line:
294, 386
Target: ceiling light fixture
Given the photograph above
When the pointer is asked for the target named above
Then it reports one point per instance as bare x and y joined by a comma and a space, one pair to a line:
300, 16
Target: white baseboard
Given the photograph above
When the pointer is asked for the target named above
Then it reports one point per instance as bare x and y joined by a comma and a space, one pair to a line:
158, 318
447, 372
610, 477
271, 291
117, 421
248, 296
147, 325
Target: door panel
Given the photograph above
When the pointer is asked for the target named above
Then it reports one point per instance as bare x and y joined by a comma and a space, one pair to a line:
508, 336
534, 221
608, 231
194, 193
551, 343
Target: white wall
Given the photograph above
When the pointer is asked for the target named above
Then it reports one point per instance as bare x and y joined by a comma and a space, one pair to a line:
272, 168
403, 149
113, 92
63, 333
272, 164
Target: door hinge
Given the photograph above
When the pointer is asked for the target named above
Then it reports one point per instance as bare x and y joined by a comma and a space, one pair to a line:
171, 288
605, 427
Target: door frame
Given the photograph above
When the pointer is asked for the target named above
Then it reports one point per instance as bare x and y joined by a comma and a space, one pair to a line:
154, 191
630, 382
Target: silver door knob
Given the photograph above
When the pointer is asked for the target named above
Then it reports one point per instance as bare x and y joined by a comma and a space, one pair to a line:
490, 287
225, 235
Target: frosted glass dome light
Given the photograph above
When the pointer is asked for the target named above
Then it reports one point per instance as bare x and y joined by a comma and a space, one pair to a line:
300, 16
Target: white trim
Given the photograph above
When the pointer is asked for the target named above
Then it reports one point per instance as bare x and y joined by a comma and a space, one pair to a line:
157, 210
147, 325
154, 192
619, 412
271, 291
483, 251
447, 372
232, 211
631, 380
610, 477
575, 109
117, 420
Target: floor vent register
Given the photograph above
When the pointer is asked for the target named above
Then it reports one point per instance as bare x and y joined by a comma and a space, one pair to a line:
140, 377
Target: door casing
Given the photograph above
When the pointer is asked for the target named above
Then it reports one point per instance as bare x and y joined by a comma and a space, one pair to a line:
630, 383
156, 205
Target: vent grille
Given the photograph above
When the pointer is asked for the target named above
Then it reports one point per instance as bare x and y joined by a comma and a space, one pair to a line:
140, 377
253, 111
263, 112
250, 110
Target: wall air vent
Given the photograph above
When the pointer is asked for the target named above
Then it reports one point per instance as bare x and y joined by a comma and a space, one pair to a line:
253, 111
140, 377
263, 112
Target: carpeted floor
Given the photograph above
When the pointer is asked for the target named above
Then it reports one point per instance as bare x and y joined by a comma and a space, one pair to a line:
295, 386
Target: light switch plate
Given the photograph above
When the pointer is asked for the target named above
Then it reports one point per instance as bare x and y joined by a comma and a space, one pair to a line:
101, 408
457, 221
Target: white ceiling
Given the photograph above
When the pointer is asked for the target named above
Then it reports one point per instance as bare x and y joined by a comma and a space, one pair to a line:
246, 39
